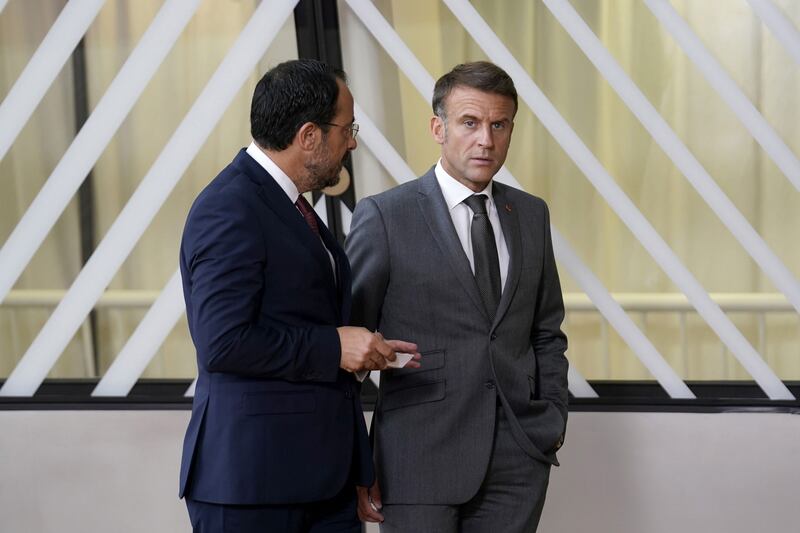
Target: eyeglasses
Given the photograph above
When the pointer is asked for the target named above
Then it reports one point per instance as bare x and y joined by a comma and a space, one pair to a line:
352, 129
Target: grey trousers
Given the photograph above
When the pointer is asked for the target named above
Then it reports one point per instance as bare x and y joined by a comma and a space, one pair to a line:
510, 499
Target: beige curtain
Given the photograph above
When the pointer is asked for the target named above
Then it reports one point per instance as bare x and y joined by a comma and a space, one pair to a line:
23, 170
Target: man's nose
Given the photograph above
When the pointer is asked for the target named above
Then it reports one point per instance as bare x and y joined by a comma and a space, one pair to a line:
352, 144
486, 136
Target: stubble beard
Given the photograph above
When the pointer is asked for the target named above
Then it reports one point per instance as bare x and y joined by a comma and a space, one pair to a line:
321, 171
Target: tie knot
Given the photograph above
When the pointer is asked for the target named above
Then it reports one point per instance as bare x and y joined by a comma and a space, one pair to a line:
477, 202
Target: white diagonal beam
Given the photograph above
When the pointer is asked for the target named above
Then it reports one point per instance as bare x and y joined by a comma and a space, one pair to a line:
90, 142
781, 27
142, 346
716, 76
619, 201
385, 153
669, 141
394, 46
2, 5
148, 198
641, 346
43, 68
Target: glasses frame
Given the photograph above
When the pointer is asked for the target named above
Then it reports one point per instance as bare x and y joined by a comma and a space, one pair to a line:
352, 129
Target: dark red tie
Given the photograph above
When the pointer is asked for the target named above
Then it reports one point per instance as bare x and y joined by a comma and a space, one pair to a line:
308, 213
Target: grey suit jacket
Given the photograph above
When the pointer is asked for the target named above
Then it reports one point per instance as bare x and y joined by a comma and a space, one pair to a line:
434, 426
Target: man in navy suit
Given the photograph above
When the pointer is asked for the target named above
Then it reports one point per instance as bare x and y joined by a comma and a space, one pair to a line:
277, 440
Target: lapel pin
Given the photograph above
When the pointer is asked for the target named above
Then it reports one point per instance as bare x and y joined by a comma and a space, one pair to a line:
508, 207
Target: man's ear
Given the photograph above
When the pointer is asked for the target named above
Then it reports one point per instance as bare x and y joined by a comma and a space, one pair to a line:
308, 136
438, 129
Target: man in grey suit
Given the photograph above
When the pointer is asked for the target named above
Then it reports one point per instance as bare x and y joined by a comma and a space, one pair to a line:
464, 267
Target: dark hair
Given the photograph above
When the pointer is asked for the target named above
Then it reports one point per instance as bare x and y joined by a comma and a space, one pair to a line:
288, 96
480, 75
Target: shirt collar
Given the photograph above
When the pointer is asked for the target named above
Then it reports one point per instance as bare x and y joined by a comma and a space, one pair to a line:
455, 192
274, 170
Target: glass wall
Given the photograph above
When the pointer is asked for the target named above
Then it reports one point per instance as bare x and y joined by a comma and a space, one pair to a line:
646, 51
167, 98
651, 57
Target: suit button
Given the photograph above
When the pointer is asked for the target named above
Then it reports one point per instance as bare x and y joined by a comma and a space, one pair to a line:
493, 336
348, 394
489, 385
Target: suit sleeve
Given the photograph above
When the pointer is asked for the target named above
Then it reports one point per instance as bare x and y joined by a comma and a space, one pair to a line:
225, 256
368, 251
548, 341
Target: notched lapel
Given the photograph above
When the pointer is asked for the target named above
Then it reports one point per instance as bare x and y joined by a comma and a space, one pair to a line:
434, 210
342, 272
271, 194
511, 233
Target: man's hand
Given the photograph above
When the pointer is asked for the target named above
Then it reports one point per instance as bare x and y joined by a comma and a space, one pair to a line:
364, 350
369, 503
406, 347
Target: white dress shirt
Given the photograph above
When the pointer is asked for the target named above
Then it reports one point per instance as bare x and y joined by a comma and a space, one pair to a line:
285, 183
454, 194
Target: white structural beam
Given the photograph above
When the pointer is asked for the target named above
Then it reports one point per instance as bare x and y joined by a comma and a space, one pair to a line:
619, 201
716, 76
44, 66
381, 148
781, 27
385, 153
148, 198
2, 5
142, 346
680, 155
641, 346
92, 139
394, 46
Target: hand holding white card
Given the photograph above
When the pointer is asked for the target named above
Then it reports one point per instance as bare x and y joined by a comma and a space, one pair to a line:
401, 361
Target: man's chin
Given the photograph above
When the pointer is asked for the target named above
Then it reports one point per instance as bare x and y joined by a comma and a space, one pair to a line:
483, 177
330, 182
325, 182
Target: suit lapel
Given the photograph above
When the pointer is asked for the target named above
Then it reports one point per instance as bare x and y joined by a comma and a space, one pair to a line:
275, 198
342, 271
434, 210
511, 233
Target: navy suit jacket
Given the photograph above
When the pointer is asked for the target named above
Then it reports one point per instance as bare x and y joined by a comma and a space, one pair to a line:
274, 418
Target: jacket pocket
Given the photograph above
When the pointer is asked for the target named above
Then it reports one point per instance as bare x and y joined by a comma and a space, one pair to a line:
431, 360
413, 395
543, 424
279, 402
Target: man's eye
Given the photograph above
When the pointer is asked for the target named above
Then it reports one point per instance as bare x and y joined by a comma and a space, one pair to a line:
498, 125
469, 123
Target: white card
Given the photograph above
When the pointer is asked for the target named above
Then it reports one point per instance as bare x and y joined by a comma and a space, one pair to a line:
400, 362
